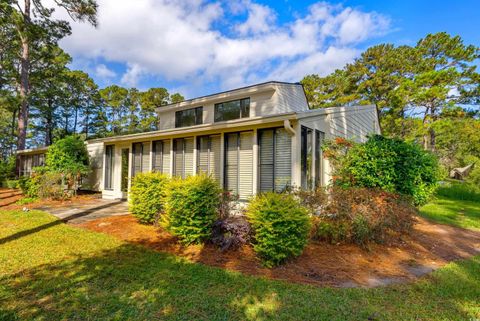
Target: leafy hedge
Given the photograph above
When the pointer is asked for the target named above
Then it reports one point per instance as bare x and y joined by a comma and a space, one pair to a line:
44, 184
281, 226
147, 196
392, 165
192, 208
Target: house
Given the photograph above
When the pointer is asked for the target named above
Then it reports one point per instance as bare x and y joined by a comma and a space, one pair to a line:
258, 138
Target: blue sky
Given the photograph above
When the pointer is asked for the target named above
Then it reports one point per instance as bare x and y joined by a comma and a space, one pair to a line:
198, 47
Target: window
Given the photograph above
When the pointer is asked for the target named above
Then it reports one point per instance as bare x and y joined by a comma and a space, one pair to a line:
234, 109
319, 138
274, 160
183, 157
189, 117
208, 155
109, 154
306, 157
239, 164
160, 157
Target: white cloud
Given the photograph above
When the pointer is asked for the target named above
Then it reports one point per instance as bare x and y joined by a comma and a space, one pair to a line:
104, 72
181, 41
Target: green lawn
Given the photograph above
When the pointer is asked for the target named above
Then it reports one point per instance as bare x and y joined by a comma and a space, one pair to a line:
455, 204
460, 213
52, 271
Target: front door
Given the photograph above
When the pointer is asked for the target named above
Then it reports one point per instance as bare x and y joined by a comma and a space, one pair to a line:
124, 175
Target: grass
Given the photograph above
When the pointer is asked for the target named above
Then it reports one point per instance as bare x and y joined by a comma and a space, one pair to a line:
455, 204
53, 271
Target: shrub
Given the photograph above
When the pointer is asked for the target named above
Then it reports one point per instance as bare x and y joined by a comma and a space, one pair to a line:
474, 176
12, 183
392, 165
192, 208
231, 232
459, 191
281, 226
147, 196
314, 200
7, 168
44, 185
69, 157
362, 215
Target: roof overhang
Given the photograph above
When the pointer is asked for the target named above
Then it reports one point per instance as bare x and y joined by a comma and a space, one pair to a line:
237, 124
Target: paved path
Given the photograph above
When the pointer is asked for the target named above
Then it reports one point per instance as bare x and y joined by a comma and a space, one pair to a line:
84, 212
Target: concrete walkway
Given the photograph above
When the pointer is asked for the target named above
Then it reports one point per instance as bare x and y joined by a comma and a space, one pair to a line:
88, 211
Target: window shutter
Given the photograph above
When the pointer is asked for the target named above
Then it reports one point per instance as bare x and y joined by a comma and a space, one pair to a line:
145, 157
231, 162
178, 157
214, 159
137, 158
188, 158
166, 157
157, 157
283, 159
245, 171
203, 155
266, 159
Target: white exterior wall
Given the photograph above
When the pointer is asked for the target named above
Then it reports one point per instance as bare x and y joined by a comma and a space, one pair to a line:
94, 181
354, 123
269, 99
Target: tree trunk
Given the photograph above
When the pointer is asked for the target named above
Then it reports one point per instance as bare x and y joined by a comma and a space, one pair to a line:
24, 80
431, 131
75, 121
425, 136
49, 125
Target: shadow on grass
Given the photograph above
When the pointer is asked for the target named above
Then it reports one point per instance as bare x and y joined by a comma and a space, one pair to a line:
24, 233
129, 282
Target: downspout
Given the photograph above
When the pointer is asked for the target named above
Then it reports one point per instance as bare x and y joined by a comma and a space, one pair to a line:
288, 127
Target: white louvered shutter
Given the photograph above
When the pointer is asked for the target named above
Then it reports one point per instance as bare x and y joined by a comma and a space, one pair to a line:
283, 159
203, 157
266, 152
245, 171
178, 157
157, 157
231, 162
146, 157
188, 158
166, 157
214, 157
137, 159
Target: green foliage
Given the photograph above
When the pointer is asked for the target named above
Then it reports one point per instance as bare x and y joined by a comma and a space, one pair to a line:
68, 156
7, 168
362, 215
474, 176
44, 185
147, 196
192, 208
12, 183
459, 191
281, 227
26, 200
392, 165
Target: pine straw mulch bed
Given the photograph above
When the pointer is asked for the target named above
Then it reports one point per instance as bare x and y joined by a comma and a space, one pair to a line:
9, 198
429, 247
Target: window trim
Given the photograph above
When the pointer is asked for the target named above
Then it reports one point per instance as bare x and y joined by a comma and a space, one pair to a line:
198, 111
215, 109
108, 185
304, 157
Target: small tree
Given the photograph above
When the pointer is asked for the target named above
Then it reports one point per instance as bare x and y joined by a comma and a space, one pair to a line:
69, 157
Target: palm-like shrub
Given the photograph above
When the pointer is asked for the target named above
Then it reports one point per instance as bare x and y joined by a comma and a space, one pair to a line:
192, 208
147, 196
281, 227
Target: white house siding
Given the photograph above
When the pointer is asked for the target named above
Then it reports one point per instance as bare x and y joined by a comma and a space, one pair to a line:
94, 179
354, 123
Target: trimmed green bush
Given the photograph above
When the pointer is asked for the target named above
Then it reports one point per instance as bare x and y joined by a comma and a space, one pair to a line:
392, 165
44, 185
192, 208
12, 183
147, 196
281, 227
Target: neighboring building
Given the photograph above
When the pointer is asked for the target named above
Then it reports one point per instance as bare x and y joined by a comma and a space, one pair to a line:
253, 139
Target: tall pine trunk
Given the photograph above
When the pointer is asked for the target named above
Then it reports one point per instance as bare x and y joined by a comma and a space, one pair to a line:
24, 79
